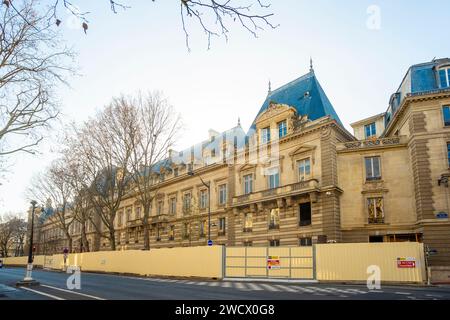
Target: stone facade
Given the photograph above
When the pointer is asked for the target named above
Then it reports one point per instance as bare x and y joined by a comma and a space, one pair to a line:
307, 181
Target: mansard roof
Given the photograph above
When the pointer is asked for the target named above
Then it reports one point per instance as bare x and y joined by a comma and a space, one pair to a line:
306, 95
419, 79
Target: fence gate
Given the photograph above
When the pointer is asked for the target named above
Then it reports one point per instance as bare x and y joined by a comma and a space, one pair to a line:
270, 262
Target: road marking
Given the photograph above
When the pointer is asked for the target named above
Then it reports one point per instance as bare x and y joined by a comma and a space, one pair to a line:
298, 288
213, 284
200, 283
285, 288
433, 295
320, 289
403, 293
226, 285
43, 294
268, 287
356, 291
340, 291
241, 286
74, 292
254, 287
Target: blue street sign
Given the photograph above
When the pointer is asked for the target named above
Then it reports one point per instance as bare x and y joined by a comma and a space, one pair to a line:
442, 215
210, 243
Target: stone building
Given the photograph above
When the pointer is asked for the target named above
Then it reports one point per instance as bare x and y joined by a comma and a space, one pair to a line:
297, 177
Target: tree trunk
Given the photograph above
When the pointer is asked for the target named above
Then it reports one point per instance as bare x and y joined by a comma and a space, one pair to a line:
146, 227
69, 239
83, 240
112, 238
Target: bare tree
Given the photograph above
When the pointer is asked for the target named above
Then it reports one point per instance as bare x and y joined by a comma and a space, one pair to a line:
156, 126
103, 146
52, 188
78, 178
32, 62
12, 233
213, 16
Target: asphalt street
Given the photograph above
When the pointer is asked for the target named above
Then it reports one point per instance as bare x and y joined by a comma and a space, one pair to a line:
94, 286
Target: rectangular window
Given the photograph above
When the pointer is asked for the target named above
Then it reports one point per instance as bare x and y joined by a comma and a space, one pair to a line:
222, 194
375, 210
160, 207
222, 224
172, 233
282, 129
138, 212
446, 114
444, 77
187, 203
305, 214
248, 183
203, 199
173, 205
175, 172
186, 230
274, 219
304, 169
448, 153
248, 222
305, 242
274, 243
203, 228
370, 130
120, 218
129, 214
274, 178
373, 168
265, 135
248, 243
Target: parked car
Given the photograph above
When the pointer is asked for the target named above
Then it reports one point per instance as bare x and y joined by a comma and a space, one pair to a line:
1, 263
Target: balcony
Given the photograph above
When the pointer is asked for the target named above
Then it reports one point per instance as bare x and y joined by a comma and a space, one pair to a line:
161, 218
274, 226
371, 143
376, 220
283, 191
134, 223
304, 223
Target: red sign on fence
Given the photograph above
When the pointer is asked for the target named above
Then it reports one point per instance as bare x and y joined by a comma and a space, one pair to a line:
406, 262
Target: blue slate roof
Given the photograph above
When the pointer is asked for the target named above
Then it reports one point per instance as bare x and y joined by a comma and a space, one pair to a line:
419, 79
306, 95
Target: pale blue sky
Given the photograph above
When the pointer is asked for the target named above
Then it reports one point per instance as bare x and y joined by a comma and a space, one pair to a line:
143, 48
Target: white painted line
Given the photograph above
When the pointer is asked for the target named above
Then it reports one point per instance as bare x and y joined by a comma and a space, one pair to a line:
356, 291
43, 294
285, 288
213, 284
340, 290
303, 289
254, 287
240, 286
404, 293
190, 282
201, 283
269, 287
74, 292
226, 285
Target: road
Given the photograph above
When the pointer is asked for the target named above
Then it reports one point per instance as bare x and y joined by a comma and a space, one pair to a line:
114, 287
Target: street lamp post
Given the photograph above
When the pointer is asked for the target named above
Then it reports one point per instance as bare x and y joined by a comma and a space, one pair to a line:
207, 185
28, 280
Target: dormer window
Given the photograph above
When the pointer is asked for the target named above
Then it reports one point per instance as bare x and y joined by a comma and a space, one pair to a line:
444, 77
282, 129
265, 135
370, 130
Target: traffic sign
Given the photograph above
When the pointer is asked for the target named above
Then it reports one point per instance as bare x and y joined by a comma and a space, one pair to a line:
210, 243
